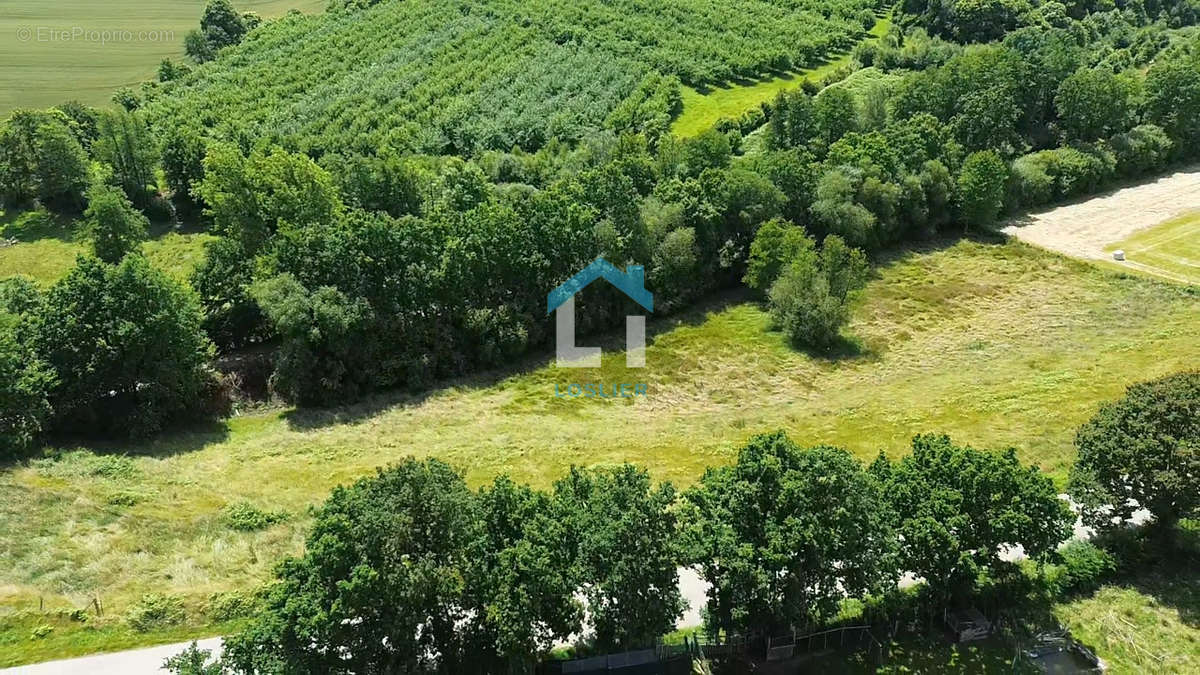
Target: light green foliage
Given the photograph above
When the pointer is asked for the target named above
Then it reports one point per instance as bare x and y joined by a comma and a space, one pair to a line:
776, 244
505, 74
250, 198
246, 517
192, 661
113, 225
1096, 103
808, 301
124, 143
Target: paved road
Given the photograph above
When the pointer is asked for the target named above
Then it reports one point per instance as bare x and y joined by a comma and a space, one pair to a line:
146, 661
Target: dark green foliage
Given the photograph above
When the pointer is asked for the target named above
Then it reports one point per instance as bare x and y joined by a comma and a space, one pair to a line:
409, 569
113, 225
124, 144
793, 122
772, 535
41, 158
127, 346
232, 318
621, 528
1142, 451
1173, 100
222, 25
25, 380
956, 506
834, 114
1095, 103
981, 188
183, 154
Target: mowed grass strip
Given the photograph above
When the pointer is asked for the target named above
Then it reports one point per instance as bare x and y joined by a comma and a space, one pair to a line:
1170, 250
702, 109
48, 61
997, 344
49, 258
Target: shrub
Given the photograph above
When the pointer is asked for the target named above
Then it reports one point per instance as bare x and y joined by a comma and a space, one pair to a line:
1142, 149
155, 611
1084, 567
231, 605
25, 384
981, 188
246, 517
113, 225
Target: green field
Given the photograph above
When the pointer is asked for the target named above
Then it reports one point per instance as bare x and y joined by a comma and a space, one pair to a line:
702, 109
996, 343
42, 69
48, 256
1170, 250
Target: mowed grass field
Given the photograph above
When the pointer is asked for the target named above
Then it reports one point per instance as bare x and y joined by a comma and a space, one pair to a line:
997, 343
44, 63
703, 108
1170, 250
46, 256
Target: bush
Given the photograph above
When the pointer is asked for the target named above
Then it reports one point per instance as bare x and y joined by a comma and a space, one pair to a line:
25, 384
246, 517
155, 611
1084, 567
231, 605
1141, 150
809, 300
113, 225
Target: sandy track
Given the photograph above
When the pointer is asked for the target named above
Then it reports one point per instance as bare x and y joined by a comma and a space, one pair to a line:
1084, 228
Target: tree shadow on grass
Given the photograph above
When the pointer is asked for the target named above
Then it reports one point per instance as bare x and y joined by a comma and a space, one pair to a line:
180, 441
308, 419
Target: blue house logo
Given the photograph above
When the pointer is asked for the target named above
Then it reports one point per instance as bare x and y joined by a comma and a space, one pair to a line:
631, 282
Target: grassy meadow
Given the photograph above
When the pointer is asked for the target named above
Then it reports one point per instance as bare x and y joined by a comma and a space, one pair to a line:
703, 108
47, 254
996, 343
42, 69
1170, 250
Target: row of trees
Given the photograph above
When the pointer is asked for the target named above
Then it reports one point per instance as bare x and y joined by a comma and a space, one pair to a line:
409, 570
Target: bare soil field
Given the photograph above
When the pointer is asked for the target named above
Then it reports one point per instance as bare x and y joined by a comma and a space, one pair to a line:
1084, 229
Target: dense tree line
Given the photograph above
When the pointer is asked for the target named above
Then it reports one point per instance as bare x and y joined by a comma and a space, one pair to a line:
382, 268
411, 571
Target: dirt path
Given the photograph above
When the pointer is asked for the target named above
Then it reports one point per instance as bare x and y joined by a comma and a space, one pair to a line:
1083, 229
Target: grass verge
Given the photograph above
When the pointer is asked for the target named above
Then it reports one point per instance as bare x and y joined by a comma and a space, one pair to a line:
702, 109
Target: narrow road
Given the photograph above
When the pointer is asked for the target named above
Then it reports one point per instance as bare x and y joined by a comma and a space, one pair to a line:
146, 661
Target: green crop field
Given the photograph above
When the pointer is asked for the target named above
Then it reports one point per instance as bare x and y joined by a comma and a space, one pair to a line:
704, 107
46, 61
995, 343
424, 76
1170, 250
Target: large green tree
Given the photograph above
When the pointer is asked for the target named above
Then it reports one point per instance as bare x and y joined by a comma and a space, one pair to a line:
622, 528
126, 343
784, 534
1142, 451
956, 507
380, 587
